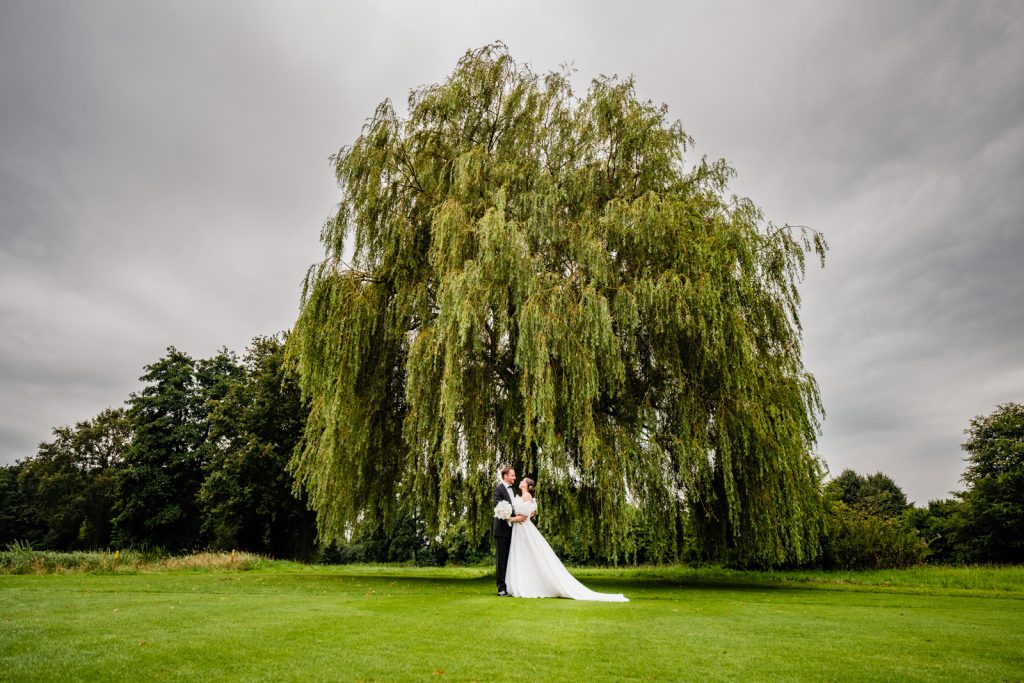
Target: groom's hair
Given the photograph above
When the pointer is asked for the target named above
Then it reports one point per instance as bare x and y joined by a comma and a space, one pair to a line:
505, 469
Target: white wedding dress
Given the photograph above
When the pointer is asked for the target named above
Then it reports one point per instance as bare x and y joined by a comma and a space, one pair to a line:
534, 571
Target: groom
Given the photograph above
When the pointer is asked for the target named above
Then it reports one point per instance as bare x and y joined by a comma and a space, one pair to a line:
502, 529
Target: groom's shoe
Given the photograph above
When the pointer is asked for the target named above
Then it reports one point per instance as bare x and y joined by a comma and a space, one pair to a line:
502, 594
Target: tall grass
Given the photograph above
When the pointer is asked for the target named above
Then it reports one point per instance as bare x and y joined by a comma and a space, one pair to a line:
22, 559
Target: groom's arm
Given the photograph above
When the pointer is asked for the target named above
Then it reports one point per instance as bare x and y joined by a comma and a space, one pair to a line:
499, 495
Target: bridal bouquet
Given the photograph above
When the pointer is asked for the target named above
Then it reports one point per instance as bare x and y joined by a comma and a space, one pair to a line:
503, 510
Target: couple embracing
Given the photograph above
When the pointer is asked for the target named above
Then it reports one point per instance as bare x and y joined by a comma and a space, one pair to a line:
526, 566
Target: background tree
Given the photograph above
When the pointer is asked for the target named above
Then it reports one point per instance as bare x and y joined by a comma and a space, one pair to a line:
993, 504
247, 495
71, 480
537, 278
875, 494
846, 487
159, 483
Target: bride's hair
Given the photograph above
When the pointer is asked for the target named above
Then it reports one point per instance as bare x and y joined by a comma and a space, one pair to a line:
529, 484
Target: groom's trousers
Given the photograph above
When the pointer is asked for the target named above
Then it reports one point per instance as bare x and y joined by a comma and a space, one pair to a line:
502, 543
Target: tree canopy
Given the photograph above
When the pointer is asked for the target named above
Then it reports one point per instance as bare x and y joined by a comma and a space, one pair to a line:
538, 278
157, 485
993, 504
875, 494
246, 495
71, 480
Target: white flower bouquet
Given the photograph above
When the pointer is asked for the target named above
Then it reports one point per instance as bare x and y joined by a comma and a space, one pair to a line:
503, 510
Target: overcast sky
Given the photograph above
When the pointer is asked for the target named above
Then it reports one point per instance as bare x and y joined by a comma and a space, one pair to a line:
164, 178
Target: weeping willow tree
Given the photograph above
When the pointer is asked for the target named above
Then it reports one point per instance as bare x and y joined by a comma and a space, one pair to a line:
519, 274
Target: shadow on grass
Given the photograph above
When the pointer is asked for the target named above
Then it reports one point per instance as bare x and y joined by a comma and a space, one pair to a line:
485, 582
644, 581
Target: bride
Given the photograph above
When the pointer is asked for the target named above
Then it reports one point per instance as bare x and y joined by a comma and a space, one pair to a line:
534, 571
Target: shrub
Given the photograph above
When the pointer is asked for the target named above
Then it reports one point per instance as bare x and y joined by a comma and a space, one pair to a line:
857, 540
461, 547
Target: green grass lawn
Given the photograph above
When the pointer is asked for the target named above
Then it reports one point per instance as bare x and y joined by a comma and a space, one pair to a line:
282, 621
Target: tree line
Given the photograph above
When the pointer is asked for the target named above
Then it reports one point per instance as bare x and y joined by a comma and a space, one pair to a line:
870, 524
199, 458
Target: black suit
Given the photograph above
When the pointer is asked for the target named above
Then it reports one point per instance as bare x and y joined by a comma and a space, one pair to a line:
502, 531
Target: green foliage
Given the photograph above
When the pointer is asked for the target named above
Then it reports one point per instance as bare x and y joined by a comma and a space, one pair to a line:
462, 546
158, 484
650, 545
19, 519
246, 496
401, 541
941, 526
874, 494
646, 543
855, 539
71, 480
993, 504
537, 279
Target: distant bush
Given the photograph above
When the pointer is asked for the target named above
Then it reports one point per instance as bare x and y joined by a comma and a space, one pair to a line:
855, 539
460, 547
